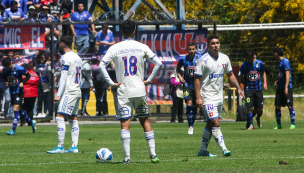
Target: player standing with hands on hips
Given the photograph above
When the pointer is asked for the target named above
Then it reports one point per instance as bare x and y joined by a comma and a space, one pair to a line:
68, 95
208, 84
129, 58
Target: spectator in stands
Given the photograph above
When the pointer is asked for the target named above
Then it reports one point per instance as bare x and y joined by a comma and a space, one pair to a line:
86, 86
32, 15
2, 9
104, 39
30, 91
44, 69
8, 109
82, 31
34, 3
55, 8
68, 5
2, 86
177, 97
14, 13
21, 4
101, 88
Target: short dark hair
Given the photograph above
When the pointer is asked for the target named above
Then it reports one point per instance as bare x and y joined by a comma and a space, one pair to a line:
210, 37
250, 53
104, 25
279, 51
6, 61
191, 44
14, 3
67, 40
79, 3
128, 27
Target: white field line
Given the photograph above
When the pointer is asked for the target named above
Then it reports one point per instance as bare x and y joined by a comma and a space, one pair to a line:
141, 161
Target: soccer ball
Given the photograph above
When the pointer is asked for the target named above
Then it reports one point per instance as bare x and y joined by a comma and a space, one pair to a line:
104, 155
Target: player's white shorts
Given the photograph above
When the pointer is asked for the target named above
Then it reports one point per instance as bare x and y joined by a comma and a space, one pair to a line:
68, 105
212, 111
126, 106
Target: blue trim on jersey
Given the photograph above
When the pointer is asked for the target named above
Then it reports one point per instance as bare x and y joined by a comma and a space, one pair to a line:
283, 66
127, 39
65, 68
141, 115
252, 74
197, 74
231, 71
104, 62
65, 114
153, 57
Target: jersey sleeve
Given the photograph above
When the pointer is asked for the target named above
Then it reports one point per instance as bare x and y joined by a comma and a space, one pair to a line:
64, 63
228, 68
73, 17
112, 37
199, 68
180, 62
89, 16
22, 70
98, 36
286, 65
6, 15
262, 67
241, 71
109, 57
149, 55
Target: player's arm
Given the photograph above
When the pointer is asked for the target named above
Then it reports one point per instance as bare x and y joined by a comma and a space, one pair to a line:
27, 77
197, 87
287, 75
233, 80
62, 82
88, 75
265, 80
157, 65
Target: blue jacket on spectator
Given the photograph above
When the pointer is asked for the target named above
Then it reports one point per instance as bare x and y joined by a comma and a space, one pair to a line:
22, 4
83, 17
9, 14
105, 38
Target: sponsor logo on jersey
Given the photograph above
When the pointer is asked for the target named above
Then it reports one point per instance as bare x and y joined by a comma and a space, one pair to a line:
12, 81
186, 94
190, 71
279, 75
212, 75
253, 76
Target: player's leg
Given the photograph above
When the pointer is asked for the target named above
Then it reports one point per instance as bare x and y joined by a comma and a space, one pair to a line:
249, 103
258, 106
174, 107
291, 109
278, 103
16, 117
125, 108
28, 120
85, 96
142, 112
71, 112
189, 109
180, 110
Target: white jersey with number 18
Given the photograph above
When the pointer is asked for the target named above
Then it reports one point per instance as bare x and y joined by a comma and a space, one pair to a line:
129, 57
212, 73
72, 62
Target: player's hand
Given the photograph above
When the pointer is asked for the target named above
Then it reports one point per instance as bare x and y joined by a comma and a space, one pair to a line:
116, 85
91, 89
276, 82
57, 98
95, 32
6, 83
109, 88
102, 43
199, 102
146, 83
21, 85
286, 92
182, 80
241, 94
265, 87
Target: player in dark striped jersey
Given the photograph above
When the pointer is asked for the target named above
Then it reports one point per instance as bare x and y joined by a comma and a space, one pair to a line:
284, 89
250, 74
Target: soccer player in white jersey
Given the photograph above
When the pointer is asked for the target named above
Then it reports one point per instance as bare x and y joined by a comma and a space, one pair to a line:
208, 84
129, 58
68, 95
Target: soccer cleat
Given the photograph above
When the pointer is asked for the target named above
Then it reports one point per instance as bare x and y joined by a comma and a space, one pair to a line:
278, 127
259, 122
227, 153
33, 126
250, 127
205, 153
125, 162
72, 150
11, 132
190, 130
292, 127
56, 150
154, 159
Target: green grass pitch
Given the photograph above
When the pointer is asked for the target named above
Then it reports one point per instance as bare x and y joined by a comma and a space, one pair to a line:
258, 150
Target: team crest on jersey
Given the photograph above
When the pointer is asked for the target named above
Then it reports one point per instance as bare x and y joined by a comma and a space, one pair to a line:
84, 15
279, 75
224, 66
253, 76
12, 81
186, 94
190, 71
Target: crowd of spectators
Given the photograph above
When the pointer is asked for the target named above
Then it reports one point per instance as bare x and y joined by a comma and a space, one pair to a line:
37, 96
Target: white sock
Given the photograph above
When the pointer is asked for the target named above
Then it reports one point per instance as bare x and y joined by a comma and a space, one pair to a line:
125, 139
218, 136
151, 142
74, 132
206, 139
60, 131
